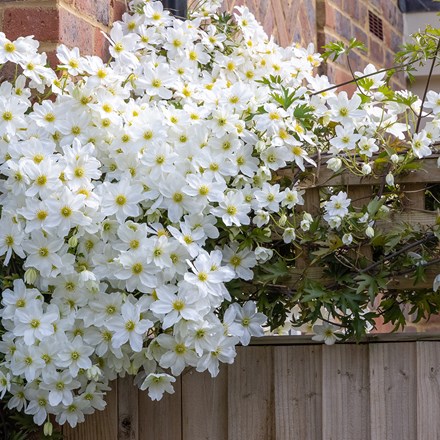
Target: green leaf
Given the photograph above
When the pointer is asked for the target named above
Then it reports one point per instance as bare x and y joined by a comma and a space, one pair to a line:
303, 112
370, 284
272, 272
374, 206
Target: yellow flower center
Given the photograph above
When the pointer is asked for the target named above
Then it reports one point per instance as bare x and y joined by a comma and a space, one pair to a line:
121, 200
7, 116
137, 268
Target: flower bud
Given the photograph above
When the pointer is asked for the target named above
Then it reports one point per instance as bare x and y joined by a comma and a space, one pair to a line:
93, 373
283, 220
153, 217
48, 429
260, 146
394, 158
389, 179
334, 164
366, 168
369, 232
73, 242
267, 232
347, 239
30, 276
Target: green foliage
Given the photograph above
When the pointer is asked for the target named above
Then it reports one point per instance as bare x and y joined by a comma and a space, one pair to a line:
334, 50
20, 426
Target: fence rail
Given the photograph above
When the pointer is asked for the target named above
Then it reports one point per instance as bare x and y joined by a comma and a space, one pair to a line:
290, 388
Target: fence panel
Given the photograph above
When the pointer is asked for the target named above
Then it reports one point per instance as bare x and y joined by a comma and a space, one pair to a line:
290, 388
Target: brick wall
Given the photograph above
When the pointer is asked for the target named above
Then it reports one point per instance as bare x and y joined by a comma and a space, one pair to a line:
80, 22
72, 22
323, 21
288, 20
344, 19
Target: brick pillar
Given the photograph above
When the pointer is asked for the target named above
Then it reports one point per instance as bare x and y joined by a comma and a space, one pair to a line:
72, 22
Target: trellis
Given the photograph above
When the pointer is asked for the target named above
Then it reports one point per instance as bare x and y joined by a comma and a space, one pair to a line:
413, 186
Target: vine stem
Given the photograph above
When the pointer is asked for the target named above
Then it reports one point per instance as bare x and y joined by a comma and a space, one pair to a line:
355, 80
400, 251
434, 58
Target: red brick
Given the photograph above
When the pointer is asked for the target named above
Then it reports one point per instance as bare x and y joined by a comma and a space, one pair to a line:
352, 8
360, 35
429, 325
329, 17
76, 32
99, 10
343, 26
37, 21
376, 51
340, 76
101, 45
52, 58
337, 3
118, 9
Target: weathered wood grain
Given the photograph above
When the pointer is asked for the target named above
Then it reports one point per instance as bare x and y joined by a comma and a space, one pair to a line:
393, 391
345, 393
128, 409
290, 388
161, 420
428, 390
205, 405
428, 173
298, 392
251, 395
101, 424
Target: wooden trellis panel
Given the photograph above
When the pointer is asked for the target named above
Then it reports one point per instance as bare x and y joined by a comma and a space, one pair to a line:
290, 388
413, 186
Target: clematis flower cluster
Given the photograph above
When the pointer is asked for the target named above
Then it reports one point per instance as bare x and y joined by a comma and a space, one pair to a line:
143, 186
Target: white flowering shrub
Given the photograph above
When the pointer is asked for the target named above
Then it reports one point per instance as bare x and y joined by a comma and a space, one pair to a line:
143, 223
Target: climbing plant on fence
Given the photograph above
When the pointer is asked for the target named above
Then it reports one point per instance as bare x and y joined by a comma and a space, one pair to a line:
158, 208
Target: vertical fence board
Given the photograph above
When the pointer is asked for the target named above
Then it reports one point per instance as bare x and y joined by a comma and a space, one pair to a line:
101, 424
250, 395
128, 410
428, 390
161, 420
393, 377
298, 397
345, 393
205, 405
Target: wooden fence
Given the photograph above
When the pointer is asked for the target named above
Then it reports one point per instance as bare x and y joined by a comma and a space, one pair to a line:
290, 388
